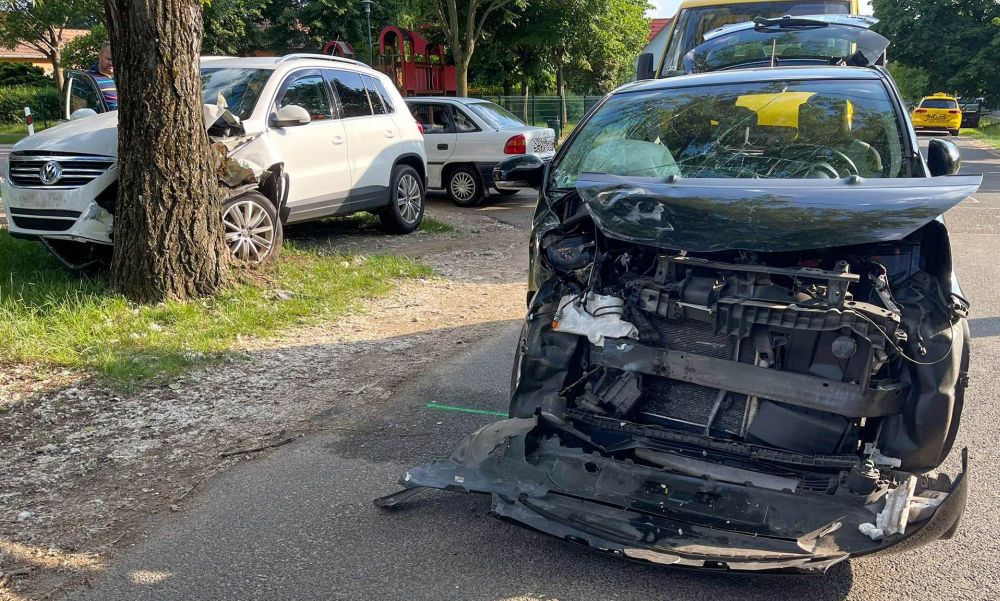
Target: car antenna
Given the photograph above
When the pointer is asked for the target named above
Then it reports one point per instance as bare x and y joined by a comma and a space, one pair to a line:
774, 51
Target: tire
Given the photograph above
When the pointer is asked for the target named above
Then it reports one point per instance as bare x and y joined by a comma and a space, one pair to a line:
506, 192
406, 201
254, 233
464, 187
953, 132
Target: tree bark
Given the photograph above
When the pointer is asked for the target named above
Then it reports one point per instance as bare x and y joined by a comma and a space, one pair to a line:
168, 240
561, 90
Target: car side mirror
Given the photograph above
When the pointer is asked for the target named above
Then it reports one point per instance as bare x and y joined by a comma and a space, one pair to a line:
290, 116
943, 157
644, 67
522, 172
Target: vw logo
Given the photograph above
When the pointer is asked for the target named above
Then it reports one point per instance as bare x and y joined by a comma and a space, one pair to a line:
50, 173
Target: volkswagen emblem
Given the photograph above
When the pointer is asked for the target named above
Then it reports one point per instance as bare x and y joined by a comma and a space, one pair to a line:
50, 173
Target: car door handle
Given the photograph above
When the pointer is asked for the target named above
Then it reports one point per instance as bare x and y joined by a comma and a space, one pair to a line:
442, 147
389, 133
338, 140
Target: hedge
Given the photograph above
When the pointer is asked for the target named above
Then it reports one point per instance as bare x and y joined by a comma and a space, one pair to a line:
44, 103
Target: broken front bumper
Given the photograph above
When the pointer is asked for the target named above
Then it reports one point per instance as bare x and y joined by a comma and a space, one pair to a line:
648, 514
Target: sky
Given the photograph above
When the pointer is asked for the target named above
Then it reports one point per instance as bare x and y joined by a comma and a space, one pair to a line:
667, 8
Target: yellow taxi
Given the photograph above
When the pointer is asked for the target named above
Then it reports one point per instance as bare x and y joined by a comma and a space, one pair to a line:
938, 112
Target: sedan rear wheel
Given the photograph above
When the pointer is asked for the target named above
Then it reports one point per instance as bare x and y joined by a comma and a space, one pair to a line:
464, 187
253, 230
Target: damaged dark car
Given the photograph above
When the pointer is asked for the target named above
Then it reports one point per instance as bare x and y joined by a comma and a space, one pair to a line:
746, 347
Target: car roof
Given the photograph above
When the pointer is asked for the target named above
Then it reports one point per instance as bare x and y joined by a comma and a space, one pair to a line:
454, 99
701, 3
273, 62
938, 96
762, 74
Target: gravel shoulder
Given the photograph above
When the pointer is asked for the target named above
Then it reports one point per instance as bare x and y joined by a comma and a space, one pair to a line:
82, 466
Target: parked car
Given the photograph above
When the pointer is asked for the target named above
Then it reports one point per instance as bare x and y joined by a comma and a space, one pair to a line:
939, 112
746, 347
697, 17
466, 138
299, 137
972, 111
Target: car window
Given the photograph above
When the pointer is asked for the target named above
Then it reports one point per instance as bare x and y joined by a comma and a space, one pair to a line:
463, 123
435, 118
938, 103
309, 92
378, 96
495, 114
84, 94
775, 129
353, 95
238, 88
694, 23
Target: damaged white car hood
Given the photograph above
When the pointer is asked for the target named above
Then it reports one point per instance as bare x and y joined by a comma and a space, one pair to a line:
97, 134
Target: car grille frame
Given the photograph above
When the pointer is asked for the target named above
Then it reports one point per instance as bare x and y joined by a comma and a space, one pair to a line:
78, 170
43, 220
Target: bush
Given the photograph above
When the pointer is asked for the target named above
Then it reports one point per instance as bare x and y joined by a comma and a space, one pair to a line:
22, 74
44, 103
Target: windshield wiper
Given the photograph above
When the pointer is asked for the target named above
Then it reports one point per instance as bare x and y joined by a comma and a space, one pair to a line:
762, 24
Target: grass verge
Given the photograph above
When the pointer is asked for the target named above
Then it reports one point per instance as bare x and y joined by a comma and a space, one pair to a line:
988, 131
11, 134
52, 317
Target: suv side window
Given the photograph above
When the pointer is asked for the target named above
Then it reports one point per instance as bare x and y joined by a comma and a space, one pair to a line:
378, 107
309, 92
463, 124
383, 94
351, 90
435, 118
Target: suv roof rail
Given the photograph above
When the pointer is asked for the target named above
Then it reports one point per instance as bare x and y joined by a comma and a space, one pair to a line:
324, 57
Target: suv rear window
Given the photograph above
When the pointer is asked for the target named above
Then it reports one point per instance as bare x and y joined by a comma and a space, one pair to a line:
938, 103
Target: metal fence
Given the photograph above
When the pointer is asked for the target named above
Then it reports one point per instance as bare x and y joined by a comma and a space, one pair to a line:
544, 111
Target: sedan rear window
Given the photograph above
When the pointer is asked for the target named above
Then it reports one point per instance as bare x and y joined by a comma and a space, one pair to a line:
938, 103
776, 129
495, 115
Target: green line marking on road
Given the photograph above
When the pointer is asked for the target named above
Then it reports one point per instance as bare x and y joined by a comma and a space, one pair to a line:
441, 407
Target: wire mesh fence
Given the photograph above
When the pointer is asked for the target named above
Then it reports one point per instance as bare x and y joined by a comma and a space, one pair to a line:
544, 111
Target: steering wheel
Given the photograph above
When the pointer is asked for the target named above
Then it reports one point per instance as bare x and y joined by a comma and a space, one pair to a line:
835, 160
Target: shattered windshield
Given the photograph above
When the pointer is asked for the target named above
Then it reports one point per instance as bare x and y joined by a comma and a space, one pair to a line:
239, 88
778, 129
826, 44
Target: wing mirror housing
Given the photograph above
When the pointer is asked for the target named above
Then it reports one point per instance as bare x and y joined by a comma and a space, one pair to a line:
644, 67
522, 172
943, 157
291, 116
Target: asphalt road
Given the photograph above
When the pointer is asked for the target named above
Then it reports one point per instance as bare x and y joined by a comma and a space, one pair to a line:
299, 524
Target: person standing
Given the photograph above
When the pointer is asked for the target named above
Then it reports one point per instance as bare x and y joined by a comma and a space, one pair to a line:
103, 73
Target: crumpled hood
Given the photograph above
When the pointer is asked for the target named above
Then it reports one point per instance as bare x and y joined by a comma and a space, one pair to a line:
96, 134
709, 215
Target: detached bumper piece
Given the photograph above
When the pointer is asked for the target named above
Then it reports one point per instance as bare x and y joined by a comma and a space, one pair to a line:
661, 516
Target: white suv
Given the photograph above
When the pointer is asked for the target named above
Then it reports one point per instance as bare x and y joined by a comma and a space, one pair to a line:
298, 137
467, 137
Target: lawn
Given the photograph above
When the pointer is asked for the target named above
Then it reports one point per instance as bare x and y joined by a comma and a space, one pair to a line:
988, 131
50, 316
11, 134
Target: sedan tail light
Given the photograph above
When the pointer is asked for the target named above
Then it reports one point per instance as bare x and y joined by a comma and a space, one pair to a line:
420, 127
516, 145
920, 111
954, 112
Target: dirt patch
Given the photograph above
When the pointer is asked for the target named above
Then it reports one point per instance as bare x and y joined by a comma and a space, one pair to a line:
82, 466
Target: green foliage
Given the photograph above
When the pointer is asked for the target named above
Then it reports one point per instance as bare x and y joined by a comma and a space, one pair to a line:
36, 22
22, 74
955, 42
913, 82
81, 52
231, 27
44, 103
52, 317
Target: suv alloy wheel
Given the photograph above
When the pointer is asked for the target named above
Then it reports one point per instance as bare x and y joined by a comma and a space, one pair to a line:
253, 230
406, 209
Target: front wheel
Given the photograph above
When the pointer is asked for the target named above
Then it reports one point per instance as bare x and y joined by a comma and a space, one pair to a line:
954, 132
253, 230
406, 201
464, 187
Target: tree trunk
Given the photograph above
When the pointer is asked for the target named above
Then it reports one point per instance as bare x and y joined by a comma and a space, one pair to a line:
168, 228
561, 92
57, 70
462, 73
